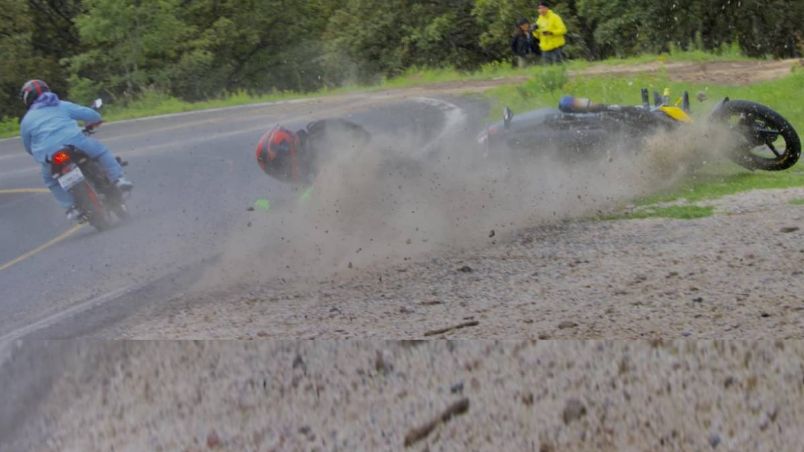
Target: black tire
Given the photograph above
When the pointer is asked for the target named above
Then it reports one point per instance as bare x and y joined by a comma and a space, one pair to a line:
760, 129
91, 205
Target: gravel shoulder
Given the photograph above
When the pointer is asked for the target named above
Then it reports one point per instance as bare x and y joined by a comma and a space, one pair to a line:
734, 275
360, 395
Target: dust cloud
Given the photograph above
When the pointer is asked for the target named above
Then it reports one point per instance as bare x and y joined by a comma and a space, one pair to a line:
388, 201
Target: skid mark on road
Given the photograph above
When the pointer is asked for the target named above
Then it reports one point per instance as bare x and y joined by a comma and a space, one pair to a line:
41, 248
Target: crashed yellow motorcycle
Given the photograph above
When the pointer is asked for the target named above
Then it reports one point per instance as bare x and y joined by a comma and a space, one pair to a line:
762, 139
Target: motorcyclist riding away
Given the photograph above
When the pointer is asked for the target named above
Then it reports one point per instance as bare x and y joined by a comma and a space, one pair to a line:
296, 157
50, 125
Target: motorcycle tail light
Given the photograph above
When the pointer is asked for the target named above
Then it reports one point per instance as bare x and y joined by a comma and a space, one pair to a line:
61, 157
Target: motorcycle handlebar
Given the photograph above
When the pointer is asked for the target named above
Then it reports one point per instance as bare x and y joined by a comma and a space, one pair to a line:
89, 129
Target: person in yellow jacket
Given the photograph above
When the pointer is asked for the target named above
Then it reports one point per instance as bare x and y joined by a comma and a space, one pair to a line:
550, 31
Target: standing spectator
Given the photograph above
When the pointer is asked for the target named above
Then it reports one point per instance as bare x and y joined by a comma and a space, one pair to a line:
523, 44
550, 32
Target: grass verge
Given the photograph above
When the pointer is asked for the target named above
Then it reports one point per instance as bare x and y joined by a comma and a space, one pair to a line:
154, 103
545, 88
686, 212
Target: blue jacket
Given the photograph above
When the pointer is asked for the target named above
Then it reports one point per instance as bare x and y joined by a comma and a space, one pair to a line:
50, 124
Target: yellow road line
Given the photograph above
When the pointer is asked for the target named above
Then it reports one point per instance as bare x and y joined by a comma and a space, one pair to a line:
41, 248
12, 191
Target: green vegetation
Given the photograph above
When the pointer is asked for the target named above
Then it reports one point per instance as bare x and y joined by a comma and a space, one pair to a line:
683, 212
544, 89
797, 202
541, 91
206, 49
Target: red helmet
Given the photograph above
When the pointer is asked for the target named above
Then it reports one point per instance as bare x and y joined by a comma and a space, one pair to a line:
31, 91
277, 154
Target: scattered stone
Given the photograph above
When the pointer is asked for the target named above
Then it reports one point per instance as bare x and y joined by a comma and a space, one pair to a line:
527, 399
789, 229
573, 410
382, 362
697, 300
466, 269
431, 302
262, 334
492, 233
213, 440
567, 324
714, 440
450, 328
457, 388
250, 209
419, 433
299, 362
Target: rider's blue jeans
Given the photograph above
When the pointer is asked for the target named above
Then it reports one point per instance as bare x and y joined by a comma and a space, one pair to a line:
94, 149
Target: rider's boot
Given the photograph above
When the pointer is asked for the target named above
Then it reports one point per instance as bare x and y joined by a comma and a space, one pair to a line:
73, 214
123, 184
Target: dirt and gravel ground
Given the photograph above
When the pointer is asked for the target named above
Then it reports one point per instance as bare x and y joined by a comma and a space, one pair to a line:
737, 274
359, 395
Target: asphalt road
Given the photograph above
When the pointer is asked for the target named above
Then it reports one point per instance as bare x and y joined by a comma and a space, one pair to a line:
194, 176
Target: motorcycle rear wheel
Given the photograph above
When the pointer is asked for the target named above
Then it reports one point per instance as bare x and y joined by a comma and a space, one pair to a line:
760, 130
92, 206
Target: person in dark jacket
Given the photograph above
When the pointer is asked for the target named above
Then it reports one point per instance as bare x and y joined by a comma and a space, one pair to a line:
524, 45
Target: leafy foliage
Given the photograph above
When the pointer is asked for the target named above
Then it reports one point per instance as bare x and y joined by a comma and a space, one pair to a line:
203, 49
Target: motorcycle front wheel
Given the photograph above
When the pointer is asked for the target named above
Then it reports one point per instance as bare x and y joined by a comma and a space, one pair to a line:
766, 140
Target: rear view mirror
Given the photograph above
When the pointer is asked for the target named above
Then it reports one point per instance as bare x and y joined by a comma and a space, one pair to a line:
97, 104
507, 116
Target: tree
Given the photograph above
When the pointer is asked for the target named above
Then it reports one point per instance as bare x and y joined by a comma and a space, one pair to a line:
130, 46
34, 37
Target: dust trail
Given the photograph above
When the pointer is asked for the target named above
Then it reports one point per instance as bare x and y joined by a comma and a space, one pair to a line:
389, 201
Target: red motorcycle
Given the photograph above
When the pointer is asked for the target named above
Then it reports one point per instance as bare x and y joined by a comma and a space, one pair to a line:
97, 199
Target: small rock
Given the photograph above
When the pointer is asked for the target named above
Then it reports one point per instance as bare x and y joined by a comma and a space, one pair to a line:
213, 440
546, 447
299, 362
250, 209
765, 315
789, 229
573, 410
714, 440
382, 362
567, 324
466, 269
492, 233
697, 300
262, 334
457, 388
